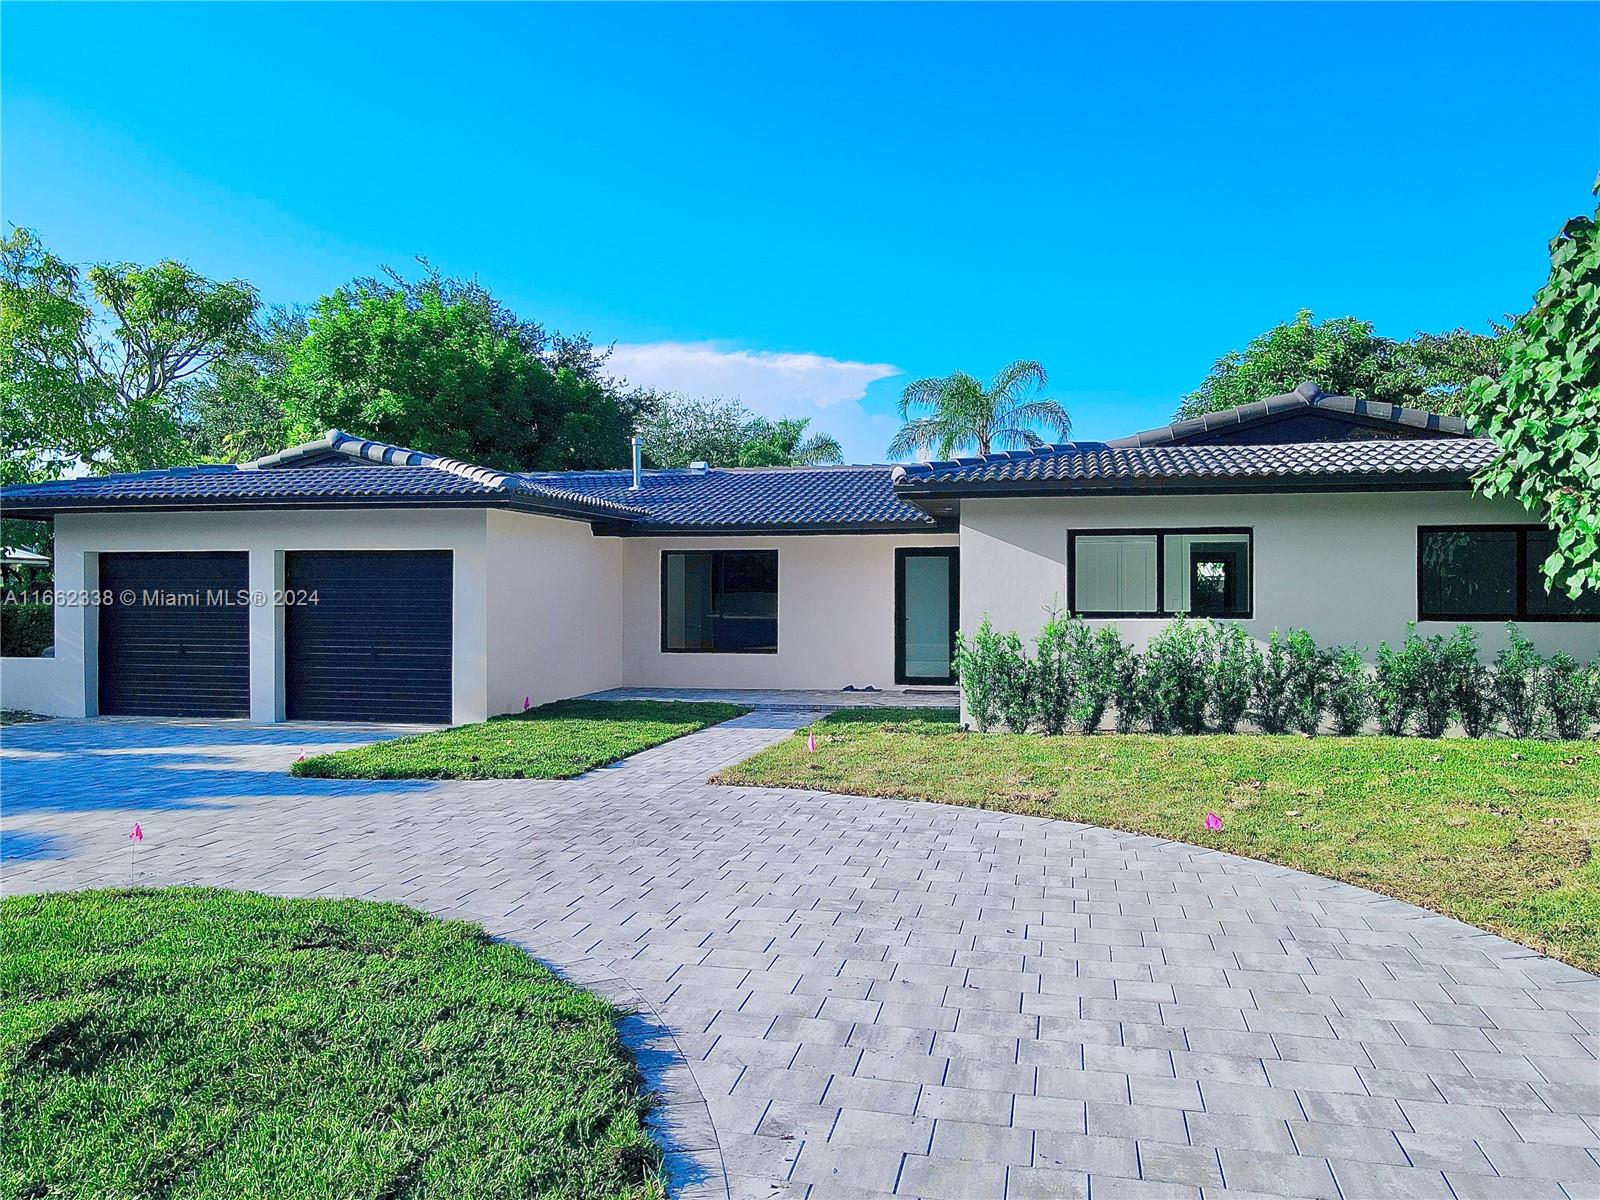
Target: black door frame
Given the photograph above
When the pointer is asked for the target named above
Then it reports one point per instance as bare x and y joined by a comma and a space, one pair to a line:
953, 553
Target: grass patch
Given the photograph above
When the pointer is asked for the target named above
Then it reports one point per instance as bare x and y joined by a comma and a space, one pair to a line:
1502, 834
19, 716
196, 1043
555, 741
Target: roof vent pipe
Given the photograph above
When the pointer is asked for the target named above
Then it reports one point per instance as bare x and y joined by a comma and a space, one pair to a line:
638, 461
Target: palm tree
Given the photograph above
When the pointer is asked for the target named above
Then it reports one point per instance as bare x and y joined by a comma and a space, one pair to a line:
784, 443
963, 412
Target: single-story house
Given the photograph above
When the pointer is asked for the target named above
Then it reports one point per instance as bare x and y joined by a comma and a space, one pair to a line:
348, 579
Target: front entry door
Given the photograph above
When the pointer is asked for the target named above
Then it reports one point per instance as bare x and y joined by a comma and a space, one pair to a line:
927, 608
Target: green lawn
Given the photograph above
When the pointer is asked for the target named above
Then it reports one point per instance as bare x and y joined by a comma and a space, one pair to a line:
556, 741
191, 1043
1503, 834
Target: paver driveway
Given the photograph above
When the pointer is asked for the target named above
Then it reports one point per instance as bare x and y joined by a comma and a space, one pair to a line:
847, 997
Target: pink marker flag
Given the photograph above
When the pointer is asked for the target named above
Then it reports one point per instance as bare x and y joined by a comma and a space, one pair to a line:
526, 701
302, 757
811, 742
1213, 822
137, 835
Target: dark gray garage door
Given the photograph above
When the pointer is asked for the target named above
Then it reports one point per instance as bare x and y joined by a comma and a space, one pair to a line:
375, 643
175, 640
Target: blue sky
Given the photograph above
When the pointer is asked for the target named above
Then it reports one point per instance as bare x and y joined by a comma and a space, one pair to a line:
809, 206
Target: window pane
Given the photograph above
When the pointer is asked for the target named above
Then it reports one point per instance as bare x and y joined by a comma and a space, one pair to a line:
745, 605
927, 616
1469, 573
720, 601
1541, 545
1207, 574
1114, 573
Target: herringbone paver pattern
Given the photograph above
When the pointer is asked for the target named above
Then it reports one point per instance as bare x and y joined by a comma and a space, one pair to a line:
850, 997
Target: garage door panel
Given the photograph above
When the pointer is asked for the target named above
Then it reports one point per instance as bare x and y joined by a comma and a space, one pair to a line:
376, 643
188, 659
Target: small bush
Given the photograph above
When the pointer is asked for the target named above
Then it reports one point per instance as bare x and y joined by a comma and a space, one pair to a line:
1175, 671
1349, 690
1308, 682
1016, 684
1099, 659
1129, 693
1517, 669
1471, 684
1271, 705
978, 667
1413, 683
1054, 674
1231, 666
26, 630
1567, 699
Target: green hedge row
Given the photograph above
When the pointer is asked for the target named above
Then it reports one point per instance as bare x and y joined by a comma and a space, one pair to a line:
26, 630
1201, 676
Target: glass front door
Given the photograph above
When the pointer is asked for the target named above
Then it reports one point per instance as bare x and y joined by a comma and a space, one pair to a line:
927, 601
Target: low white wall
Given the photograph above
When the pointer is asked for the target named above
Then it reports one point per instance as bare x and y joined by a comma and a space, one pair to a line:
835, 614
264, 535
1341, 566
555, 606
46, 686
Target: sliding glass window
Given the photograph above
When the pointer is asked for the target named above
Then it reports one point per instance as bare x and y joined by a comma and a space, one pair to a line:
719, 601
1160, 573
1491, 573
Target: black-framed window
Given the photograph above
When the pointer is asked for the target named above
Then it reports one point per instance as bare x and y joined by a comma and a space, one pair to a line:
719, 601
1160, 572
1491, 573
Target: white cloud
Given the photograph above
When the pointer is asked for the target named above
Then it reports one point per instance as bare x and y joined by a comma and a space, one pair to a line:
768, 382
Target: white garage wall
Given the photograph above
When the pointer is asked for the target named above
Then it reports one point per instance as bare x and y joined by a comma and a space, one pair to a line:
555, 608
835, 614
71, 688
1342, 566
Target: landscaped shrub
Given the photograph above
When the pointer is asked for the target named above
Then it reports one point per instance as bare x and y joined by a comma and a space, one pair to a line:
1567, 698
1349, 690
1271, 705
1054, 674
1175, 676
1231, 665
26, 630
1016, 684
1471, 684
1414, 683
1099, 656
1129, 693
1308, 682
1517, 669
978, 667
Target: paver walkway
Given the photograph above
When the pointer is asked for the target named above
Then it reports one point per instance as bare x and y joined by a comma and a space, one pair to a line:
845, 997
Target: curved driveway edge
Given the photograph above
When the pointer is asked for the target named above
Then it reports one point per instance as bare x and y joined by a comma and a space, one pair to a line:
855, 997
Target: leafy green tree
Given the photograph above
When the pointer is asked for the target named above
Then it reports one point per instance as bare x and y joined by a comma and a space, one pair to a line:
235, 412
964, 412
678, 430
1347, 357
784, 443
440, 366
1544, 409
93, 365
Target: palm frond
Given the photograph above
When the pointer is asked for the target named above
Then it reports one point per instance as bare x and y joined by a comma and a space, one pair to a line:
925, 433
1018, 378
1044, 414
819, 450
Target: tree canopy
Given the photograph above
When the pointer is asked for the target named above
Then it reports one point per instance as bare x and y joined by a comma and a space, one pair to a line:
1347, 357
678, 430
93, 365
964, 412
1543, 410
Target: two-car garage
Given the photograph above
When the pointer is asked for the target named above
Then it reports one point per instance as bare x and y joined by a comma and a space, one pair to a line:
366, 634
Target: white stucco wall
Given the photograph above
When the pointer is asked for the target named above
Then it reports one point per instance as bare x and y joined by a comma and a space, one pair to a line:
71, 686
555, 608
835, 614
1342, 566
